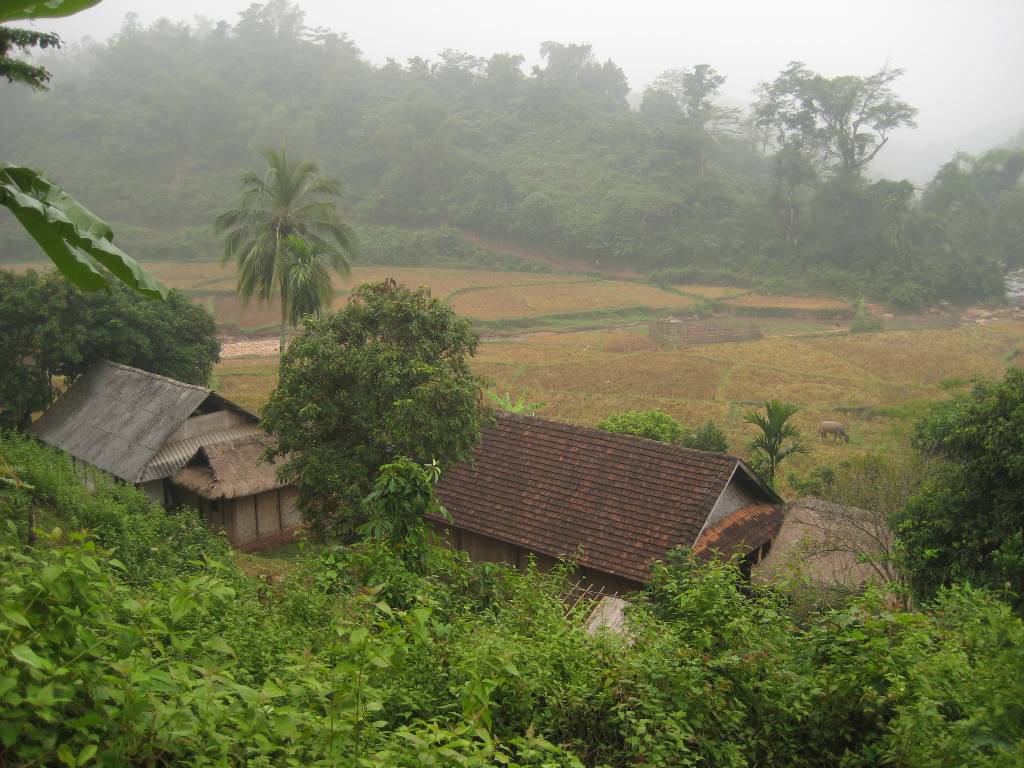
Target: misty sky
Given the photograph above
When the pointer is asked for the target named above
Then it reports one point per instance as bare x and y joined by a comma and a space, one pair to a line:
964, 58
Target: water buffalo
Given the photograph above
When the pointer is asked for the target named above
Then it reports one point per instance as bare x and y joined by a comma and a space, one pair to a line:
835, 429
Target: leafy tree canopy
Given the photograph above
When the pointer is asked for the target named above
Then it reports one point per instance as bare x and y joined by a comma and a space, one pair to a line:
968, 523
842, 120
53, 330
386, 376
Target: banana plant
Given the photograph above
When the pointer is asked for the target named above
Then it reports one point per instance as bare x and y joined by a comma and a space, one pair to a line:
19, 10
78, 242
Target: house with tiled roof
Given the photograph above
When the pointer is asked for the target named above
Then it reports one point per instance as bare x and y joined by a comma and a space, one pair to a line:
543, 490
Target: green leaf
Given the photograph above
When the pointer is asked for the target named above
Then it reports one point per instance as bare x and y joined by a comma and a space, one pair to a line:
358, 636
75, 239
86, 754
26, 655
181, 607
272, 690
15, 617
51, 573
218, 643
14, 10
66, 756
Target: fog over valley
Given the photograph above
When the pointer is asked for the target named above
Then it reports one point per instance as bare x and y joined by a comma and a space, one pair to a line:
963, 60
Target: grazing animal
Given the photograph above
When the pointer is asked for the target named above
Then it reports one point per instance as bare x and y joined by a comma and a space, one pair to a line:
835, 429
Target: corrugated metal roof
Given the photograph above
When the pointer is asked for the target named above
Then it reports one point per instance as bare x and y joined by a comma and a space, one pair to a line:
173, 456
117, 418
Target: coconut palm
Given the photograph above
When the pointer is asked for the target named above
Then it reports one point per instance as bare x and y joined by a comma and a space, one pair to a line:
775, 429
289, 199
306, 287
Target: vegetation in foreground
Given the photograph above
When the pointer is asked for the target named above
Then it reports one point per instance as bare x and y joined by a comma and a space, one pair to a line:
140, 643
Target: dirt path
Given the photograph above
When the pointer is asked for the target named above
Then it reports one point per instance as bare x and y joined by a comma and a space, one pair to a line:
234, 346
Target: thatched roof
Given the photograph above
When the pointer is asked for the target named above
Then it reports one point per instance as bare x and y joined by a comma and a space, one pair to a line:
117, 418
232, 469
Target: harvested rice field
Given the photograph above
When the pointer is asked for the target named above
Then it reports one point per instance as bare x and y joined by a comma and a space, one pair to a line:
876, 383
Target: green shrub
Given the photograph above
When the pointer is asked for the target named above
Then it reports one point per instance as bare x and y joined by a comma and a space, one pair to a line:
706, 438
654, 425
149, 541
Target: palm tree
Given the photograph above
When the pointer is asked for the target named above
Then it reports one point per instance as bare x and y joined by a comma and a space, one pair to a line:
306, 287
775, 431
289, 199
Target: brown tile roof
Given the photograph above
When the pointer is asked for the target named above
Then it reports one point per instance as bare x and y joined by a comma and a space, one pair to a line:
745, 529
553, 488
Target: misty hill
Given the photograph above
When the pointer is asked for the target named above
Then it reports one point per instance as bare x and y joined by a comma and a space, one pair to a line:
152, 129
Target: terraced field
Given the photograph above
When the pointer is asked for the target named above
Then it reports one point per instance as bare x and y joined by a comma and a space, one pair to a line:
494, 300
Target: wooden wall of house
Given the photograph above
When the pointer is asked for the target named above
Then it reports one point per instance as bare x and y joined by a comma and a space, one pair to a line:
262, 520
484, 549
250, 522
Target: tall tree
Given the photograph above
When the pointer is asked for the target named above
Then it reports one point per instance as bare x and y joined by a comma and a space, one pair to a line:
386, 376
770, 447
694, 91
844, 121
290, 198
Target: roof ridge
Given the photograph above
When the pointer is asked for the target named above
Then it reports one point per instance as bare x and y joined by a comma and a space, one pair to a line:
618, 437
152, 375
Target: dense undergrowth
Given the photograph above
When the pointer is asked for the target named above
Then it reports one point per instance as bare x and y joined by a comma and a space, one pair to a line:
139, 642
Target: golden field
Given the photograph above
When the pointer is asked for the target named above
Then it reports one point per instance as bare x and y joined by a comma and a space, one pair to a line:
760, 300
485, 296
877, 384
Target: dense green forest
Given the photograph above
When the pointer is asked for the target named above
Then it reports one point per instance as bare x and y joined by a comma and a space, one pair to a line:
555, 159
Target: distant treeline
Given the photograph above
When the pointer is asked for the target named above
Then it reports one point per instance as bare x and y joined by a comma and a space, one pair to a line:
152, 128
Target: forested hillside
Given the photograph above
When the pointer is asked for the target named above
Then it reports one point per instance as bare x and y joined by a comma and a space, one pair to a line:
554, 159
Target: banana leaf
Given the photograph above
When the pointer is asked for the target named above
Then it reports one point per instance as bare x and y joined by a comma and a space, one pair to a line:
14, 10
75, 239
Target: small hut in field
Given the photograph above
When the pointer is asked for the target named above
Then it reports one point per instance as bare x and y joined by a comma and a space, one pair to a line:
183, 445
